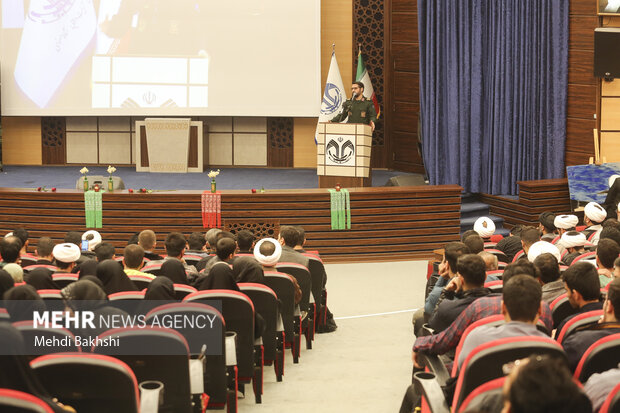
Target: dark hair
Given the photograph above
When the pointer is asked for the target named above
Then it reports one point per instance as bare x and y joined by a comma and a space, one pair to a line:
545, 385
467, 233
613, 295
548, 267
611, 223
301, 234
104, 251
475, 243
617, 262
45, 246
289, 234
175, 242
517, 230
530, 235
473, 269
224, 247
147, 239
610, 233
360, 84
607, 251
452, 252
133, 239
521, 296
546, 219
196, 240
133, 255
224, 234
62, 265
245, 239
22, 234
10, 248
583, 277
74, 237
267, 248
523, 267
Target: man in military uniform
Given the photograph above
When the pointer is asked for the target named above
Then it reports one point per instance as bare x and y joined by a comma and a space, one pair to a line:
358, 108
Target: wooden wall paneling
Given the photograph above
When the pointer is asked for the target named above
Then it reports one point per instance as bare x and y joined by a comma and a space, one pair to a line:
583, 7
304, 147
53, 141
581, 67
21, 140
581, 102
579, 135
280, 150
581, 31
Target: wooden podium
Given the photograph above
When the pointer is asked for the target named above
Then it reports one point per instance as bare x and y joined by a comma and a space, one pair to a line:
343, 155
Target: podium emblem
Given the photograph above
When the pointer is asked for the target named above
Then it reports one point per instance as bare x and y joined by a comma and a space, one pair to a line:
340, 151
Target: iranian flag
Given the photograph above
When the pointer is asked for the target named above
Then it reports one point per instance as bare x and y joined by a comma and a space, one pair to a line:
362, 76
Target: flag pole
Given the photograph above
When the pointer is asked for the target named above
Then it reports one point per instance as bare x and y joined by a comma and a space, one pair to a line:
333, 48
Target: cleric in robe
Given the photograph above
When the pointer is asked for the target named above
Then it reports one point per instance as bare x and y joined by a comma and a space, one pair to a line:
358, 109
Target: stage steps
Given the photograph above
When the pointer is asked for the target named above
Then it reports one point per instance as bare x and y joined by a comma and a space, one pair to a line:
472, 209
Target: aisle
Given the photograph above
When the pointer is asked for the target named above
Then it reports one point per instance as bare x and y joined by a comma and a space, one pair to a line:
365, 365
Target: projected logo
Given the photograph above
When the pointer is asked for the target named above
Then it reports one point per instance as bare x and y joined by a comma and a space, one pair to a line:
51, 11
340, 151
332, 99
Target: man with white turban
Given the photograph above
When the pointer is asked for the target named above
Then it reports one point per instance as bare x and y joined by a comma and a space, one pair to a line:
593, 217
485, 227
267, 252
542, 247
564, 223
93, 237
66, 255
574, 242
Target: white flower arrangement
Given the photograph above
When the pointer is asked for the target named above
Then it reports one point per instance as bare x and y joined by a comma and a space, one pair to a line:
213, 174
111, 169
84, 170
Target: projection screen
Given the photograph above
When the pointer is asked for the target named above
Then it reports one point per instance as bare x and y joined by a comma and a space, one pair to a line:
160, 57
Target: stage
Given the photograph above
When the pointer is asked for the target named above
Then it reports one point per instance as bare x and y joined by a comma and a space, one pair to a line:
65, 177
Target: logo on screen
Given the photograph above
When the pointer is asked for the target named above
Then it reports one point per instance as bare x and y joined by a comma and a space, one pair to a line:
331, 99
340, 152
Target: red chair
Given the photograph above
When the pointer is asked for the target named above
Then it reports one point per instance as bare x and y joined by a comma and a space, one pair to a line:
307, 305
16, 401
183, 290
493, 320
556, 239
476, 398
501, 256
518, 255
141, 281
496, 273
319, 292
4, 315
560, 309
580, 228
589, 256
58, 335
612, 402
64, 279
28, 260
32, 267
89, 382
495, 286
599, 357
590, 317
127, 295
496, 238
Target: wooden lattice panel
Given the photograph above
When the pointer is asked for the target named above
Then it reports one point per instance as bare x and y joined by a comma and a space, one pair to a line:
261, 228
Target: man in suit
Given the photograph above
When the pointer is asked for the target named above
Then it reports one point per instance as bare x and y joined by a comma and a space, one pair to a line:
288, 240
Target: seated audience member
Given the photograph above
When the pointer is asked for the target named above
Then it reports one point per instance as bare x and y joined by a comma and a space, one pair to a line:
529, 236
148, 241
549, 277
75, 237
578, 342
16, 271
617, 268
521, 307
40, 279
220, 277
606, 253
582, 289
160, 289
211, 236
6, 283
511, 245
16, 373
490, 261
610, 233
23, 236
21, 301
93, 238
133, 260
447, 271
104, 251
467, 233
574, 243
267, 252
288, 240
448, 339
197, 244
175, 244
485, 227
564, 223
225, 248
175, 271
546, 226
113, 278
542, 247
10, 247
475, 243
462, 290
248, 270
245, 241
66, 256
542, 384
301, 239
599, 385
133, 239
611, 223
44, 251
593, 217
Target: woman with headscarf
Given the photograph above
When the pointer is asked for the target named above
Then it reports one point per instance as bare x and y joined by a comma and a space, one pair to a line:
40, 279
21, 301
88, 267
220, 278
248, 270
114, 279
94, 279
6, 283
15, 371
160, 289
175, 271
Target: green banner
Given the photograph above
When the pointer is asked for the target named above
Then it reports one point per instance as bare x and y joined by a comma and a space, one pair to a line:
340, 209
93, 209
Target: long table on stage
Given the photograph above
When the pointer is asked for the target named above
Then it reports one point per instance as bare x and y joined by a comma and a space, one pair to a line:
387, 223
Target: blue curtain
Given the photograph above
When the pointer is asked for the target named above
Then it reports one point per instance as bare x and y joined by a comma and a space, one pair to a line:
493, 85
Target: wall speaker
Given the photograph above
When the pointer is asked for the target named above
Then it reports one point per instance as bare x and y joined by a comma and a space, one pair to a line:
406, 180
606, 56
